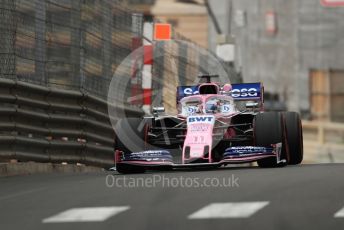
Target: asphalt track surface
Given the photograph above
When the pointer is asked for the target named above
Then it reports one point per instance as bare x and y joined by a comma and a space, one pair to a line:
294, 197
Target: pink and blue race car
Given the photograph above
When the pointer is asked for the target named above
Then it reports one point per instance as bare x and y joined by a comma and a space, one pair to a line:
217, 124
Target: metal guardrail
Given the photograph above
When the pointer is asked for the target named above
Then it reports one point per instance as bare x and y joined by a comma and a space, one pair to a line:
323, 142
44, 124
325, 132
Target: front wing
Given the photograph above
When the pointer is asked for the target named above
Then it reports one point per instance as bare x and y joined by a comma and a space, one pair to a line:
232, 155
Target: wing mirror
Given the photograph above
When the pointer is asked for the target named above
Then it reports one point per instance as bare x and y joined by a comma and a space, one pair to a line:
251, 105
157, 110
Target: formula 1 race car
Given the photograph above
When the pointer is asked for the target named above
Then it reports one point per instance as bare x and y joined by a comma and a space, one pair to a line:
217, 124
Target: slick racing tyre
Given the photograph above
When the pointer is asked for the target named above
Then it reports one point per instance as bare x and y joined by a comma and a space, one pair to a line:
294, 137
130, 137
269, 129
129, 169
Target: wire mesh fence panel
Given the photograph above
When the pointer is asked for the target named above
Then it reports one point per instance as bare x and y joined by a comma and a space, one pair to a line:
70, 44
80, 45
7, 38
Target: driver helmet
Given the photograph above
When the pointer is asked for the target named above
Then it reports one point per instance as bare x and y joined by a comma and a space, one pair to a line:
227, 88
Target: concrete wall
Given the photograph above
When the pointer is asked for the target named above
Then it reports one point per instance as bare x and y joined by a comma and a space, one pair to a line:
309, 36
320, 41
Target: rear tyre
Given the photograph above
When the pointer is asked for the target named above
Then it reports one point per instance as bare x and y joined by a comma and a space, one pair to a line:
269, 129
130, 137
294, 137
129, 169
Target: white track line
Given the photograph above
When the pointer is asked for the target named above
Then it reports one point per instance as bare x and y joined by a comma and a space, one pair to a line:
89, 214
229, 210
339, 214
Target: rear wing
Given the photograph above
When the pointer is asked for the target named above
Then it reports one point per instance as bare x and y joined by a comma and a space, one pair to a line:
185, 91
241, 91
248, 92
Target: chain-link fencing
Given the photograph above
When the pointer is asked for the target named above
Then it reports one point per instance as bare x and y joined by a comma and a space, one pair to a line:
78, 44
71, 44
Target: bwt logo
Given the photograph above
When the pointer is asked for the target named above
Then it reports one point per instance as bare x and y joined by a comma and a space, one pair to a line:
190, 91
200, 119
244, 92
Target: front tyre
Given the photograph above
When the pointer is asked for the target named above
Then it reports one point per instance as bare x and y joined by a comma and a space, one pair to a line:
294, 137
129, 169
269, 129
130, 137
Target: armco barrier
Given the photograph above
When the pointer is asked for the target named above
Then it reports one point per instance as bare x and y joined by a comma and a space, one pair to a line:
53, 125
323, 142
